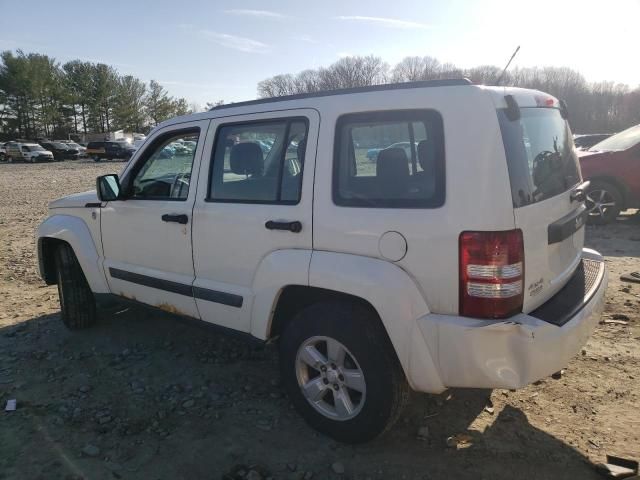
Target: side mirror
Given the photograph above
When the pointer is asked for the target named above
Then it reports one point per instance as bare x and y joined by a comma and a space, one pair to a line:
108, 187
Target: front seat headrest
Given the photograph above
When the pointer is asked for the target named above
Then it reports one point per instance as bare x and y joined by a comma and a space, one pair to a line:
246, 159
392, 171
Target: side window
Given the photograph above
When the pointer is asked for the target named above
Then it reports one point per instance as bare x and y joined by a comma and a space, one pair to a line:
165, 173
259, 162
391, 159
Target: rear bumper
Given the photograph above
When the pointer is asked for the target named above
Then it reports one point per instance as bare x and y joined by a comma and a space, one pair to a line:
510, 353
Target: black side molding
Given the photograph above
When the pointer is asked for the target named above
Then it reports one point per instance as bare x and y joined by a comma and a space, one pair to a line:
93, 205
153, 282
215, 296
218, 297
567, 225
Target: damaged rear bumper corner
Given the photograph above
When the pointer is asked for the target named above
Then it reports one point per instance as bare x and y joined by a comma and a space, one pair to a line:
508, 353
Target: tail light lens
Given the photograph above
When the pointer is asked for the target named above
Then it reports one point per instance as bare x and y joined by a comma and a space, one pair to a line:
491, 273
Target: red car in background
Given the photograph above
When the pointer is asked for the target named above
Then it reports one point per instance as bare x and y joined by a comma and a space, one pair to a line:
613, 167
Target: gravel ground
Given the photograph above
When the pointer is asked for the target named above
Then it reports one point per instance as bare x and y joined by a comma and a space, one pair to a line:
145, 395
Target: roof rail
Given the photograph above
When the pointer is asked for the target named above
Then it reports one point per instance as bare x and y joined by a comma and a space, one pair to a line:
450, 82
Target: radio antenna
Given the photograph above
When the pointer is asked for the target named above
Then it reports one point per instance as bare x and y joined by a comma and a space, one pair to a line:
507, 66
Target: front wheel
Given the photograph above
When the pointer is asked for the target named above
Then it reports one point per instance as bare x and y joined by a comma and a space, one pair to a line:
340, 371
77, 303
603, 201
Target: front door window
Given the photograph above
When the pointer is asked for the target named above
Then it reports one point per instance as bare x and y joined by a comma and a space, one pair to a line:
166, 172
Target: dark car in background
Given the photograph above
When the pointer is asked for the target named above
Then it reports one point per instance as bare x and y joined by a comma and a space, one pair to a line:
586, 141
61, 151
109, 150
613, 168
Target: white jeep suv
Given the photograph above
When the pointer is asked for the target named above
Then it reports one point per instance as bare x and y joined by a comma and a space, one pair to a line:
456, 263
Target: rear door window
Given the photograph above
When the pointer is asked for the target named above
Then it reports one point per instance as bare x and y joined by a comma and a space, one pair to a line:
540, 154
389, 159
259, 162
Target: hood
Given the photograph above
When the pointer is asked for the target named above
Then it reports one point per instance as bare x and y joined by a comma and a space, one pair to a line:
586, 154
76, 200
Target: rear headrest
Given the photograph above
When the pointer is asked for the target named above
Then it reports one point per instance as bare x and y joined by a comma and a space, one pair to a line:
392, 170
246, 159
427, 155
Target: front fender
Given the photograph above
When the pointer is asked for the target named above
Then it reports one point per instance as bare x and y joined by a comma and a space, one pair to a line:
397, 300
75, 232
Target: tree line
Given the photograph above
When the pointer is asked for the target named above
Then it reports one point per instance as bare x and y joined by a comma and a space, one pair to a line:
595, 107
40, 97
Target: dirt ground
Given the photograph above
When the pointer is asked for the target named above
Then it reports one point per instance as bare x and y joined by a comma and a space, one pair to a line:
145, 396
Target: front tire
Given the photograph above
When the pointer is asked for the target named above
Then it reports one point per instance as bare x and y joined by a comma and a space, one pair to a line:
77, 303
340, 371
603, 201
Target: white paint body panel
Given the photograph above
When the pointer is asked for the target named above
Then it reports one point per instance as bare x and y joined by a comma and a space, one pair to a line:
225, 247
230, 240
391, 292
136, 240
476, 175
74, 230
507, 353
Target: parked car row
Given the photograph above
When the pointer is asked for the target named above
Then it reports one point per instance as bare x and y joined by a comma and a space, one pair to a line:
57, 150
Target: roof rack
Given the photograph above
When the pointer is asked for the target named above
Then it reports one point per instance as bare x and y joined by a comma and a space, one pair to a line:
450, 82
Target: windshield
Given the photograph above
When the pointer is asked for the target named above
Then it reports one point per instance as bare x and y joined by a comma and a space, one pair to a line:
620, 141
540, 153
59, 145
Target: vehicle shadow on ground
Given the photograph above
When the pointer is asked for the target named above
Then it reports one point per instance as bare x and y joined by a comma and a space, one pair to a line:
160, 398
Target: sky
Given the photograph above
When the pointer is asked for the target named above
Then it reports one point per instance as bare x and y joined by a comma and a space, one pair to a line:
219, 50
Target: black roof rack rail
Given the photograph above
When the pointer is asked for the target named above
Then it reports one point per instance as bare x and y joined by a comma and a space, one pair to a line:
449, 82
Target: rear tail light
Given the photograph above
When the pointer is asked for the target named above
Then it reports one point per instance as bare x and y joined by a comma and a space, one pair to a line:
491, 273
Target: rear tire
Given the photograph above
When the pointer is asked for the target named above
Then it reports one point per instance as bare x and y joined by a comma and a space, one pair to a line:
77, 303
369, 365
604, 202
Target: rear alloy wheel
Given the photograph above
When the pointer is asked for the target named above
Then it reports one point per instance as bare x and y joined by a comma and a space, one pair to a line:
603, 202
341, 372
333, 384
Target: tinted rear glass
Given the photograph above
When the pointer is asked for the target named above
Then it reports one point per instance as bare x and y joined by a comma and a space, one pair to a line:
389, 159
540, 155
94, 145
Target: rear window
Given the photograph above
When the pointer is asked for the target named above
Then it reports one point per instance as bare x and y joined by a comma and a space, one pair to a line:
95, 145
540, 154
390, 159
